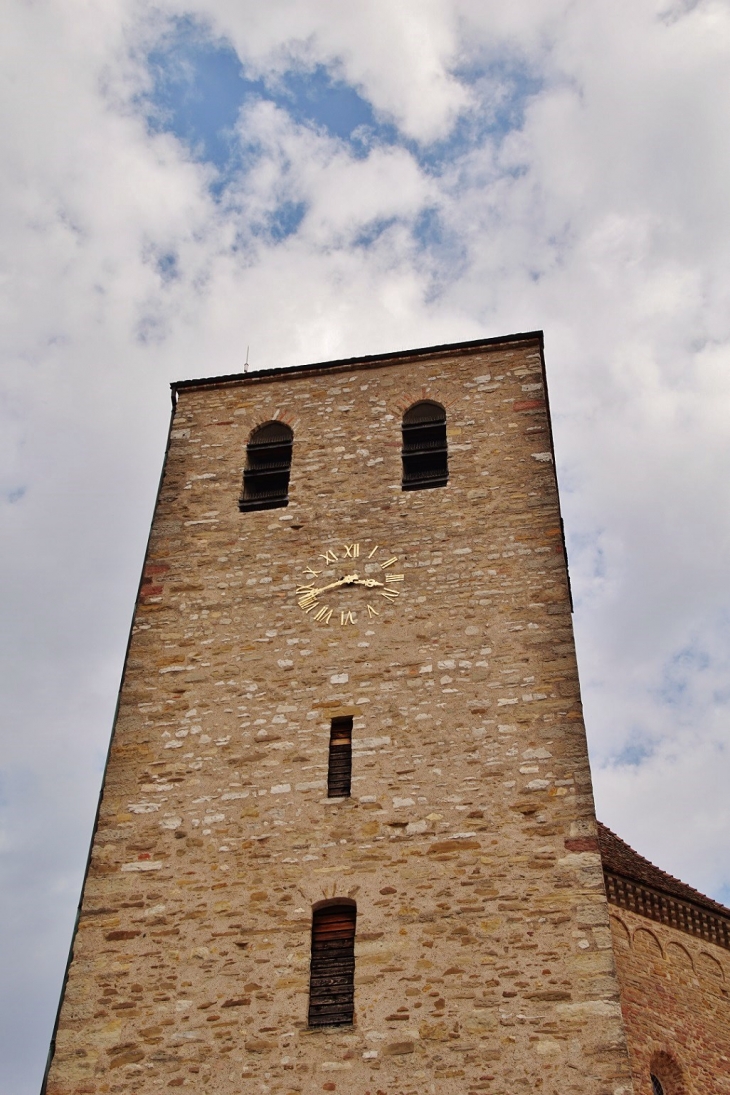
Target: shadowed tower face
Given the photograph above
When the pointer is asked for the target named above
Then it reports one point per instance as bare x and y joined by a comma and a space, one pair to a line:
347, 839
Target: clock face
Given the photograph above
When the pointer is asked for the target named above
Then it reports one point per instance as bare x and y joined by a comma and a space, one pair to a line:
348, 583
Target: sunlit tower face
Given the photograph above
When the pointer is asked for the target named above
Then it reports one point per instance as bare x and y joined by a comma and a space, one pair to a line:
334, 846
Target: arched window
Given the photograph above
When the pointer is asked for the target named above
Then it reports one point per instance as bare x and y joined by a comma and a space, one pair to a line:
268, 463
339, 772
665, 1072
332, 969
425, 455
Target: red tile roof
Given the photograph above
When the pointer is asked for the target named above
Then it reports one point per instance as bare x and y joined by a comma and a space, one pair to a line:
621, 859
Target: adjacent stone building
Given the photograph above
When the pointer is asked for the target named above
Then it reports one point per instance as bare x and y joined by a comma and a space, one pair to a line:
671, 946
347, 840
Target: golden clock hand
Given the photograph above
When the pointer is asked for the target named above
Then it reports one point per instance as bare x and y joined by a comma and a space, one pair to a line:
369, 582
349, 579
323, 589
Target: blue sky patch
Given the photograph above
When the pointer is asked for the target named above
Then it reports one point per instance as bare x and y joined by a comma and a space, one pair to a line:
681, 676
429, 228
504, 88
634, 753
285, 220
501, 92
167, 266
371, 232
200, 87
315, 98
435, 237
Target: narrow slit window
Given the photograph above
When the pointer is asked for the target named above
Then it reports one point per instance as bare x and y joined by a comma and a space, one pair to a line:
268, 464
425, 453
339, 772
332, 969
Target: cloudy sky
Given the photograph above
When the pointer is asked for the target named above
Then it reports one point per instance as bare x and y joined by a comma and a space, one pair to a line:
310, 180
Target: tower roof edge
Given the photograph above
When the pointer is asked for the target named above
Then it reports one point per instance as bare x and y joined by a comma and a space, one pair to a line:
393, 357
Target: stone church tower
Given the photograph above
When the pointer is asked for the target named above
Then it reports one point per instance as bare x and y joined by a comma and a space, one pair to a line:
347, 839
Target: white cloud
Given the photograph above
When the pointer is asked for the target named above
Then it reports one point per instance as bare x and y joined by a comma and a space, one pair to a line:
398, 55
342, 193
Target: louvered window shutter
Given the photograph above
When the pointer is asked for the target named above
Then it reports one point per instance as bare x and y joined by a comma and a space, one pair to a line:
339, 771
268, 465
332, 971
425, 453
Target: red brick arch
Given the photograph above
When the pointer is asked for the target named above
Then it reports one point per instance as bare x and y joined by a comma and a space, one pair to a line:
407, 398
709, 966
667, 1069
644, 937
621, 930
678, 954
292, 423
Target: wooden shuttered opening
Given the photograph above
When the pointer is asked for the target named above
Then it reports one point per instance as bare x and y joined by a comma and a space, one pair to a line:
425, 454
332, 971
339, 771
268, 464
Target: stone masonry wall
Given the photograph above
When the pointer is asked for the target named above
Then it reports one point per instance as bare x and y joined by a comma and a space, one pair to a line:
483, 948
675, 996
